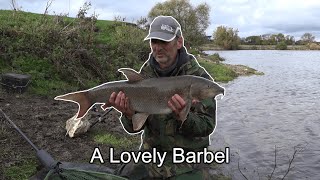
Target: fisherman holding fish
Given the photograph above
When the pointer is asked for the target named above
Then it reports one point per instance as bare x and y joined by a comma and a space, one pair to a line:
171, 99
164, 132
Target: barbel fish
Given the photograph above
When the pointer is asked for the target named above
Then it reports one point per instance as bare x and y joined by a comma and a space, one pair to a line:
146, 95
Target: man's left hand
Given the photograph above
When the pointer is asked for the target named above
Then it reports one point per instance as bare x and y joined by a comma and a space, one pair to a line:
177, 103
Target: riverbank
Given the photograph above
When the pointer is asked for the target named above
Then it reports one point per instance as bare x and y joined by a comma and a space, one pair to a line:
222, 72
208, 47
43, 120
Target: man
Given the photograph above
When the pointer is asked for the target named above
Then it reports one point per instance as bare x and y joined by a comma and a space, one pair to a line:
165, 132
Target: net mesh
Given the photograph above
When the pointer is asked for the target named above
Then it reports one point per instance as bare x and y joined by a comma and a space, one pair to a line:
75, 174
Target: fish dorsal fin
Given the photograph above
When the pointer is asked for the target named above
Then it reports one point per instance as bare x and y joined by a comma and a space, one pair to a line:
131, 75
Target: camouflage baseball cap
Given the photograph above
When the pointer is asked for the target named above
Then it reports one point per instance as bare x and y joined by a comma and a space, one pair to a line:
164, 28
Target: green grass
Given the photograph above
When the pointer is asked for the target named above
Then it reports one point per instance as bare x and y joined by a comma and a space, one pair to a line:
104, 23
62, 53
218, 71
103, 27
21, 171
50, 87
44, 81
115, 141
21, 57
21, 17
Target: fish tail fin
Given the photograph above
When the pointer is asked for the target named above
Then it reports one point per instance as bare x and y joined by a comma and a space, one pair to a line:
81, 98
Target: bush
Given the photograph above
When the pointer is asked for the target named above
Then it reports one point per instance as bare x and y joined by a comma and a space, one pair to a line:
216, 57
194, 51
69, 51
56, 44
129, 49
281, 46
313, 46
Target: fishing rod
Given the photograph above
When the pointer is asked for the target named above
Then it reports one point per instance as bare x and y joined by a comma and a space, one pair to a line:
50, 164
19, 131
44, 157
100, 116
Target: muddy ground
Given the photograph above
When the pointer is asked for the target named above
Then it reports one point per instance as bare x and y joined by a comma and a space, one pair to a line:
43, 120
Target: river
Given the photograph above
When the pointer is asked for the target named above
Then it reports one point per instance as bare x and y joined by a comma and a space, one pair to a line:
279, 110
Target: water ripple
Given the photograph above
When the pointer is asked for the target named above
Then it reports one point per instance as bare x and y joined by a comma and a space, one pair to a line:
280, 108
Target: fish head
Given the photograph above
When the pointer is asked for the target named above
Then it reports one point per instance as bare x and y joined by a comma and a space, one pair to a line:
202, 88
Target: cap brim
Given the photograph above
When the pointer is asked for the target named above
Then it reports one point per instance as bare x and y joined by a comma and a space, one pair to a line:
161, 36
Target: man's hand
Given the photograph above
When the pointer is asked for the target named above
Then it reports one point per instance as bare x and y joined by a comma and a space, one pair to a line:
177, 103
121, 102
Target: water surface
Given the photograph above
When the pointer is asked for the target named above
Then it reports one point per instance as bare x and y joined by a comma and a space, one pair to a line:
280, 108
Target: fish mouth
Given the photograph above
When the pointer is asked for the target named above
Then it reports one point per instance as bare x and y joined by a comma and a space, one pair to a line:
223, 91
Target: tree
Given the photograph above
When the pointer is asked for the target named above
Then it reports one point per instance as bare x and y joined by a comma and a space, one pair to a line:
273, 39
143, 23
227, 38
266, 39
14, 6
253, 40
193, 20
307, 38
290, 40
280, 37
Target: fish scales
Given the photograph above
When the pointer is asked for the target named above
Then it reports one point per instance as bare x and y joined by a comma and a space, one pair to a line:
145, 96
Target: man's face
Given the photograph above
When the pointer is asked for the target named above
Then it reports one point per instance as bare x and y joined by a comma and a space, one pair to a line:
164, 52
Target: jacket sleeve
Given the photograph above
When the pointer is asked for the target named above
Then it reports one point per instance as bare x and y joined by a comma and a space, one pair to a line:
127, 125
201, 120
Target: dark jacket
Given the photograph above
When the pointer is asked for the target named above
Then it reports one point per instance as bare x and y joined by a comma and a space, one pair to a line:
164, 132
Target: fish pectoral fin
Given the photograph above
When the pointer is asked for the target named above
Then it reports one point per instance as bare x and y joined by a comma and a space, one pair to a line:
138, 120
131, 75
185, 111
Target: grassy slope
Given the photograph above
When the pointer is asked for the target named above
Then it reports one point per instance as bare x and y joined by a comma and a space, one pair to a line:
207, 47
46, 81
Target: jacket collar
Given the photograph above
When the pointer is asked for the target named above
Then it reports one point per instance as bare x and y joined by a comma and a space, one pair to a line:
182, 58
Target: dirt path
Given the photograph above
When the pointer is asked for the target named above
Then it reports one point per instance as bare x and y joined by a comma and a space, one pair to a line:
43, 121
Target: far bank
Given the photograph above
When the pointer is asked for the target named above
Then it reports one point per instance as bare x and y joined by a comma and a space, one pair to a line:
312, 46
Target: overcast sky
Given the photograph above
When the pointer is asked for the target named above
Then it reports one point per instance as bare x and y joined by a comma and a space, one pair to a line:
250, 17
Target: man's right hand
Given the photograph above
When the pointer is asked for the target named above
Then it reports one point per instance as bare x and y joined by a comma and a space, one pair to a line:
121, 102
